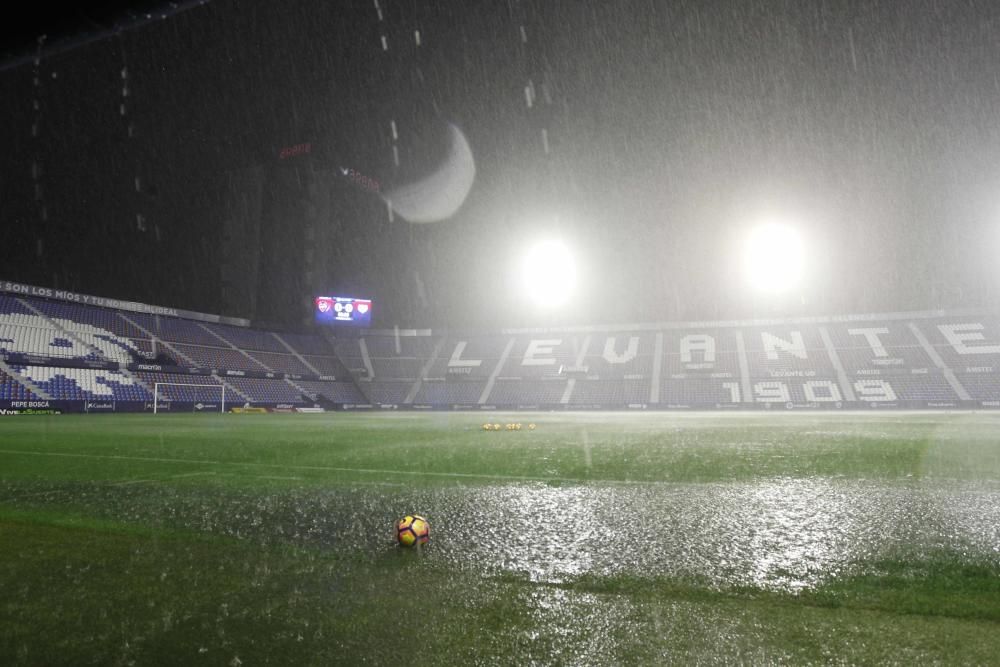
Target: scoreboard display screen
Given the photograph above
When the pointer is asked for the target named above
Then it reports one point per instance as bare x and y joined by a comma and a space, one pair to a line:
343, 310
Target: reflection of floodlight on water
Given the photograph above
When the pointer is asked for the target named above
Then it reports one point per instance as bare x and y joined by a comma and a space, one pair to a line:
774, 258
549, 273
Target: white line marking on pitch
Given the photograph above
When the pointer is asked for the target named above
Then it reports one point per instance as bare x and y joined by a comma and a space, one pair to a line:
369, 471
135, 481
30, 495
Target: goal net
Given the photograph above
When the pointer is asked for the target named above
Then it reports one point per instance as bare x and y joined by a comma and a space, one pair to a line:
160, 396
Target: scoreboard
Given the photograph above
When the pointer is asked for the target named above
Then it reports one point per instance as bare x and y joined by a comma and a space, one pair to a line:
346, 310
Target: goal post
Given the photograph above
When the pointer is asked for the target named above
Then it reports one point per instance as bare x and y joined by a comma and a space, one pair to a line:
157, 396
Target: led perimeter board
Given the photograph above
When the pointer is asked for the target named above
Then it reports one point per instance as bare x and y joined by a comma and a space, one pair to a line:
345, 310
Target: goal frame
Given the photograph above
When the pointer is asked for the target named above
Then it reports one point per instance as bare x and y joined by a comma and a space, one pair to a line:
157, 385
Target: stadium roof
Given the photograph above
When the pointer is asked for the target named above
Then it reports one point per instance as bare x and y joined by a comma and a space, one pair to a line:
63, 26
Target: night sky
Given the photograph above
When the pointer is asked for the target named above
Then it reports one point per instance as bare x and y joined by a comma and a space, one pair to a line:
648, 135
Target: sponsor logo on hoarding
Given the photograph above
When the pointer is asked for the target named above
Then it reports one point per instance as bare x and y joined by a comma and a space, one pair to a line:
29, 404
29, 411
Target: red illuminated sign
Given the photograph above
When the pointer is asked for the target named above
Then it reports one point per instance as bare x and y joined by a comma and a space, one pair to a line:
292, 151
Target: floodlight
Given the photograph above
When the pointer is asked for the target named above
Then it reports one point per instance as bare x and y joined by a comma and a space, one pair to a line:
549, 273
774, 258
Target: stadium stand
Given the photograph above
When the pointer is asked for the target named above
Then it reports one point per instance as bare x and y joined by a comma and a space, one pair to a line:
334, 392
613, 392
264, 390
174, 329
450, 393
981, 387
11, 305
700, 352
527, 392
307, 344
247, 339
144, 347
84, 383
73, 352
224, 358
398, 358
36, 336
786, 351
619, 355
352, 355
964, 343
282, 363
386, 393
330, 366
539, 357
102, 318
13, 390
924, 387
698, 391
468, 356
888, 347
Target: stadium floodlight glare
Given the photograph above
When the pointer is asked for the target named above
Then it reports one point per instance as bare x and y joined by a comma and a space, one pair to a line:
774, 259
549, 273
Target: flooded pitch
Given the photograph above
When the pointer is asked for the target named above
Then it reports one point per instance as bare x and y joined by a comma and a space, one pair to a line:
780, 534
595, 539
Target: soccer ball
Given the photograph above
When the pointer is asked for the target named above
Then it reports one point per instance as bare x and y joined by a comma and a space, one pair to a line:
413, 529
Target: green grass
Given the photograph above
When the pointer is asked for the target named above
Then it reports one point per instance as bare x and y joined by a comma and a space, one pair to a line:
594, 539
